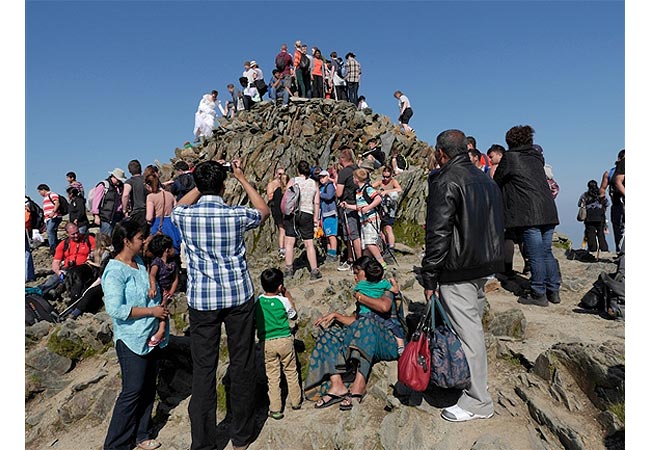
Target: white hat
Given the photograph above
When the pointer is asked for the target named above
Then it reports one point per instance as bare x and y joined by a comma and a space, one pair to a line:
253, 63
119, 174
324, 173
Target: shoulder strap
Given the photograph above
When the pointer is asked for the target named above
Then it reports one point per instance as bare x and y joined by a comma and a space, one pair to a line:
365, 194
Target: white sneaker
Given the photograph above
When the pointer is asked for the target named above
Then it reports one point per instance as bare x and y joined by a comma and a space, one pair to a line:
457, 414
343, 267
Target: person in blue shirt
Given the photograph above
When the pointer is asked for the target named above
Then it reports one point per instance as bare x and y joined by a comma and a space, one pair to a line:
135, 315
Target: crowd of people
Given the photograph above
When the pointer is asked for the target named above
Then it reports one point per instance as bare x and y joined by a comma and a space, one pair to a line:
134, 264
301, 74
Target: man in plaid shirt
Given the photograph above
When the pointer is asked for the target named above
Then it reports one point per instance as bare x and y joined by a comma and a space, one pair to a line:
352, 77
219, 290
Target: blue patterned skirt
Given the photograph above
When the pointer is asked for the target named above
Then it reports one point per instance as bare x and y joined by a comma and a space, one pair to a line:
344, 350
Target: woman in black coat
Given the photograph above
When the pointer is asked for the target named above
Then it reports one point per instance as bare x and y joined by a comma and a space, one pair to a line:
530, 212
77, 209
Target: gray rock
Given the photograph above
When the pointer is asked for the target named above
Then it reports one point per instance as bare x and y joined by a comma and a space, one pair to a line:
38, 330
509, 323
43, 360
490, 442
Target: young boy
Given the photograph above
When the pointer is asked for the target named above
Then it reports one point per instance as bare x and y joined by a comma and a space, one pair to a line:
273, 311
163, 271
367, 204
369, 275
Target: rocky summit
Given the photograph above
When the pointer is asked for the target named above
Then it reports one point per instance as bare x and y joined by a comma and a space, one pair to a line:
556, 374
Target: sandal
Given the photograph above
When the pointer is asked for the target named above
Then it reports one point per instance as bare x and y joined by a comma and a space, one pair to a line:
347, 404
153, 342
149, 444
333, 400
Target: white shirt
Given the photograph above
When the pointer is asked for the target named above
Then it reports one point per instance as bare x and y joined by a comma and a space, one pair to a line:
403, 100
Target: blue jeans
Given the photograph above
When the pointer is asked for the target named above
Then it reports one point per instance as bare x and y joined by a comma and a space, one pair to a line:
273, 94
106, 228
544, 273
132, 413
51, 226
353, 88
29, 264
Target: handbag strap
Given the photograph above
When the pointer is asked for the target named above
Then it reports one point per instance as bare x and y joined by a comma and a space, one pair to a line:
162, 216
435, 304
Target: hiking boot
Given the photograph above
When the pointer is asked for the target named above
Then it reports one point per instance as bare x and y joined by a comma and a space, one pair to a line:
315, 275
288, 272
330, 259
533, 299
343, 267
553, 296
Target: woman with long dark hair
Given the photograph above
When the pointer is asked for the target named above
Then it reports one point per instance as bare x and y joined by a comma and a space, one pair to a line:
596, 206
317, 74
135, 317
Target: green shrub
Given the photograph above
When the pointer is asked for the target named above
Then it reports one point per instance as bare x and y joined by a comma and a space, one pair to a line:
409, 233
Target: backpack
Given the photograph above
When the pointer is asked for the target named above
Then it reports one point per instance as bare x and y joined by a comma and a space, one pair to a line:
367, 197
388, 207
401, 161
339, 68
290, 200
63, 205
36, 214
280, 62
183, 184
91, 194
38, 309
304, 62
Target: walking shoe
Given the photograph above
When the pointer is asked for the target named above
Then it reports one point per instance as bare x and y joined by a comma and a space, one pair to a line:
532, 299
277, 415
330, 259
281, 253
343, 267
553, 296
315, 275
288, 272
457, 414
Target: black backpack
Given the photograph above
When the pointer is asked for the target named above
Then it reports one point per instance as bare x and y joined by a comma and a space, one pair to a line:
63, 205
401, 161
36, 214
304, 61
280, 62
38, 309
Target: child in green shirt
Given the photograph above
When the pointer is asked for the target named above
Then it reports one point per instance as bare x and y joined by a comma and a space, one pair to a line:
273, 312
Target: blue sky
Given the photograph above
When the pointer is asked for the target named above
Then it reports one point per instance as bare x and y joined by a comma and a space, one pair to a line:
106, 82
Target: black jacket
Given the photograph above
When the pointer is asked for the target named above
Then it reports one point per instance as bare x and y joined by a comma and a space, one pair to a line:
527, 199
464, 229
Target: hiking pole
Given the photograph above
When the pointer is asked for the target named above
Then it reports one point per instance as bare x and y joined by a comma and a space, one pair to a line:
347, 229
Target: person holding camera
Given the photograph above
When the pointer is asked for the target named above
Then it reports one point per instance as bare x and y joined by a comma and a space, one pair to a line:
220, 290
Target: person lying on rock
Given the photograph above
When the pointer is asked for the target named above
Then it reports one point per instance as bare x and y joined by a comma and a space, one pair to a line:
349, 345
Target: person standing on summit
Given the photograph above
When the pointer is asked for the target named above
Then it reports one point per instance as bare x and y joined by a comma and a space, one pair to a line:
352, 77
405, 111
205, 115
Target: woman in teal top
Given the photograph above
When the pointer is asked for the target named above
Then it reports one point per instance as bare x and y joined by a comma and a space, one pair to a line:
135, 315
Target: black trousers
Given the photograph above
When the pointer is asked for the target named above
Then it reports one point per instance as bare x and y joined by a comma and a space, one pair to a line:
618, 223
205, 334
595, 233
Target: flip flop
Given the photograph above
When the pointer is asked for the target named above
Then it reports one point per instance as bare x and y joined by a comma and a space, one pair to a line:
153, 342
333, 400
347, 402
149, 444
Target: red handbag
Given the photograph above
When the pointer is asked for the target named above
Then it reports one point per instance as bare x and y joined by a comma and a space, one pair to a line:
414, 364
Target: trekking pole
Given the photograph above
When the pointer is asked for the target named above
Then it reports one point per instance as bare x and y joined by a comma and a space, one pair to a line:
347, 229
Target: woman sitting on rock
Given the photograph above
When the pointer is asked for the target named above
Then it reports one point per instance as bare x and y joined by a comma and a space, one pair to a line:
349, 345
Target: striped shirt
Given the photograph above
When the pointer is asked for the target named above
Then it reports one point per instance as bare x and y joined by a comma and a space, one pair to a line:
48, 204
213, 233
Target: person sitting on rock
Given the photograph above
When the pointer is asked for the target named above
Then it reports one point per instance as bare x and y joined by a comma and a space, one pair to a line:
70, 254
278, 86
347, 348
373, 158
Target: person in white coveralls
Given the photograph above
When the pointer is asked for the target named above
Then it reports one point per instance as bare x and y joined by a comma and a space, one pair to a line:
205, 115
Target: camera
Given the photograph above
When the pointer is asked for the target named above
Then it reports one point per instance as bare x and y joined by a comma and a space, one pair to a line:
227, 166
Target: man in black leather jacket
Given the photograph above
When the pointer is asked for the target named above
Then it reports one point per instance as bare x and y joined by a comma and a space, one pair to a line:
464, 245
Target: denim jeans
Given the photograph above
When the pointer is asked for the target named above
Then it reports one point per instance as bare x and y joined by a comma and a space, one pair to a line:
544, 273
132, 413
205, 335
51, 226
106, 228
273, 94
29, 265
353, 88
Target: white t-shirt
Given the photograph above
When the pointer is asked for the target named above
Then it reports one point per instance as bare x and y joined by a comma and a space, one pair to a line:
308, 189
404, 100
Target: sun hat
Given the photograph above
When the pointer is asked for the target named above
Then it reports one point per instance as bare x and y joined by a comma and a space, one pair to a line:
119, 174
253, 63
